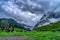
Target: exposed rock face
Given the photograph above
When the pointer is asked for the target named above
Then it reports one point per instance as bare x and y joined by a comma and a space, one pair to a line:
31, 13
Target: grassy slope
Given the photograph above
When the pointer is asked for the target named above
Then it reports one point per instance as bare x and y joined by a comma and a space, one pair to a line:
50, 27
43, 33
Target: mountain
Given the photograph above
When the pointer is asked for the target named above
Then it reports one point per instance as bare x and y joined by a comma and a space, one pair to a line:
51, 27
31, 13
11, 22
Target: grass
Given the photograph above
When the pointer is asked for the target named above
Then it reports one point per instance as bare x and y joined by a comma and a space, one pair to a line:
48, 32
47, 35
50, 27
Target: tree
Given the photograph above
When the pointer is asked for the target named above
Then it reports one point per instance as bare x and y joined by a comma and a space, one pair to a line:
4, 25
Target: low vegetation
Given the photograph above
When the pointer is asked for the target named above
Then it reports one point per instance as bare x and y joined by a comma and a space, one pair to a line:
47, 35
51, 27
48, 32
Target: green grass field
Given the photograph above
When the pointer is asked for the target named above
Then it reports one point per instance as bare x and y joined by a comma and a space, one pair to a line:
47, 35
48, 32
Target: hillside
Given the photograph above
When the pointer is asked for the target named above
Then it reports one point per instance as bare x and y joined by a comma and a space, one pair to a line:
50, 27
48, 32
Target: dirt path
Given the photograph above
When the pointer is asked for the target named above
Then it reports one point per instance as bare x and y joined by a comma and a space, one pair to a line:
14, 38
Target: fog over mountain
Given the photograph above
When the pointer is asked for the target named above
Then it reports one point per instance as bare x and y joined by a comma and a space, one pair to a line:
31, 13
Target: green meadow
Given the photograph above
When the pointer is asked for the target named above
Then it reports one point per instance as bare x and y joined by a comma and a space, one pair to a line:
48, 32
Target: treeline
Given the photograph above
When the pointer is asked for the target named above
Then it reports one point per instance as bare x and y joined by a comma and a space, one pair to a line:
6, 26
10, 25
